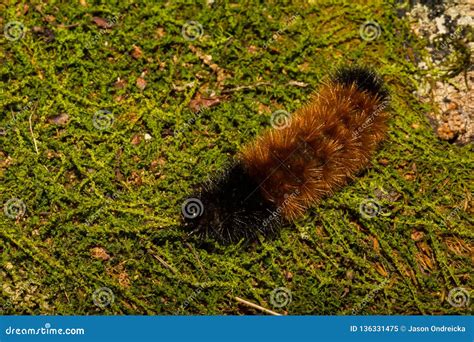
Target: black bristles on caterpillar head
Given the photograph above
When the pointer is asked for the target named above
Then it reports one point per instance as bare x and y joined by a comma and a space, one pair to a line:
232, 208
364, 78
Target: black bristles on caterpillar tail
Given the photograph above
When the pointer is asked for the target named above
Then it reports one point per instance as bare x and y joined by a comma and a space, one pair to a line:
232, 208
275, 178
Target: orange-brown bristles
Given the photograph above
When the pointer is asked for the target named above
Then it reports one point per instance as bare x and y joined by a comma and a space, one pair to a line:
323, 146
285, 171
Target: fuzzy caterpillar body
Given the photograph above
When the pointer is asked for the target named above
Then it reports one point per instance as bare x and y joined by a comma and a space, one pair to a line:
284, 171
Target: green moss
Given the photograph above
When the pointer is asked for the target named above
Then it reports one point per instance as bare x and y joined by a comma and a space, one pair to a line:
87, 188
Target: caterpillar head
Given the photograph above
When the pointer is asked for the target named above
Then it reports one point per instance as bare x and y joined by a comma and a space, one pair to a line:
365, 79
230, 208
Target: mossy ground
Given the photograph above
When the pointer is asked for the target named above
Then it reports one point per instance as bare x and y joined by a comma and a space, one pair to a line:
94, 194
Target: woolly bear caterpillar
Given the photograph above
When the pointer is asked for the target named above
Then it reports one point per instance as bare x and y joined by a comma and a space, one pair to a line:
275, 178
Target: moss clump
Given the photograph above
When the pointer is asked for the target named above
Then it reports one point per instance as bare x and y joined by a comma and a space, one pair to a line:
102, 202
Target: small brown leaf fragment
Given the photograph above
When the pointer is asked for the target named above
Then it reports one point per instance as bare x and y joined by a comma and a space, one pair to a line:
119, 98
252, 49
381, 269
102, 23
100, 253
304, 67
119, 175
5, 160
43, 32
120, 84
445, 132
417, 235
199, 102
263, 109
135, 178
136, 52
50, 154
160, 32
61, 120
376, 244
157, 163
123, 279
141, 83
459, 247
384, 161
50, 18
137, 139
